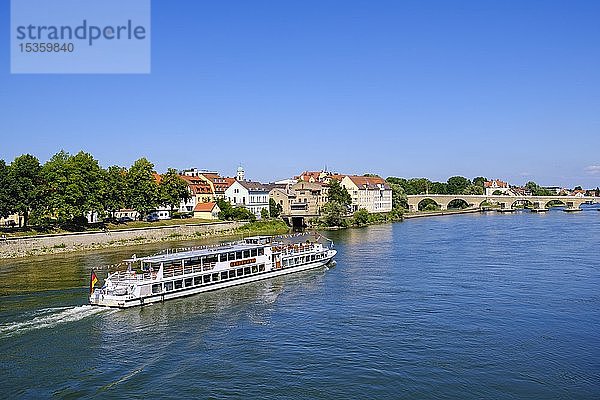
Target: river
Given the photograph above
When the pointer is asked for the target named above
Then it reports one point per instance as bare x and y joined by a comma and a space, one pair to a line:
454, 307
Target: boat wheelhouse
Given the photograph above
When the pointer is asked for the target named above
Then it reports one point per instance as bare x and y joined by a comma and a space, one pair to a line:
177, 274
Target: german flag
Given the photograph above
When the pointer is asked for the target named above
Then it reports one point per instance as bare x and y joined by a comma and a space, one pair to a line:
93, 281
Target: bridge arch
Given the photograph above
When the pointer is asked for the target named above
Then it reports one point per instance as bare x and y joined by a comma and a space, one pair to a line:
555, 202
428, 204
457, 203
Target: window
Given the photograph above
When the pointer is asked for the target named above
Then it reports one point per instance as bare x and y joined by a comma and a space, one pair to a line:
246, 253
206, 278
223, 275
254, 269
232, 273
156, 288
223, 257
168, 286
231, 257
261, 251
261, 268
215, 277
240, 272
253, 253
188, 282
247, 271
197, 280
178, 284
238, 255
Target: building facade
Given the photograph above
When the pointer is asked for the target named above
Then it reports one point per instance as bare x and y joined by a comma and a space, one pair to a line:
252, 195
369, 192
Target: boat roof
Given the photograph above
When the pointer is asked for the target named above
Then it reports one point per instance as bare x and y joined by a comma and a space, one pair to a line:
249, 243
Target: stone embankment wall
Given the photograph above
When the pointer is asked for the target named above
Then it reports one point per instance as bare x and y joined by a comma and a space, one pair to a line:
61, 243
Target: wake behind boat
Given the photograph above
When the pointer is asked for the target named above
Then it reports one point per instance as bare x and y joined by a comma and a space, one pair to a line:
168, 276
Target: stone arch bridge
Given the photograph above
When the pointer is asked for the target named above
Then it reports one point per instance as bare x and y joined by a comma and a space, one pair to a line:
506, 203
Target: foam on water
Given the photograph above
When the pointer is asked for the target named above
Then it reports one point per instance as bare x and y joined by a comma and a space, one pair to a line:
49, 318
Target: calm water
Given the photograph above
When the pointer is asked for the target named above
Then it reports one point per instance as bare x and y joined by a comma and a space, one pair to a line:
461, 307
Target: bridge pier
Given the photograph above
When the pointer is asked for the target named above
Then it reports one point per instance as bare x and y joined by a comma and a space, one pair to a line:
539, 207
572, 206
505, 207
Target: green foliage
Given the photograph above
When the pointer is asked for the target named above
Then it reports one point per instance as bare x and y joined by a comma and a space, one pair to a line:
333, 214
24, 181
361, 217
479, 181
173, 189
498, 193
428, 205
115, 192
473, 189
264, 213
73, 186
438, 188
142, 187
230, 213
537, 190
274, 208
5, 203
338, 194
457, 184
399, 199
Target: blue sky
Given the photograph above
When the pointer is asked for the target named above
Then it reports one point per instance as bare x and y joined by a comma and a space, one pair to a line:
503, 89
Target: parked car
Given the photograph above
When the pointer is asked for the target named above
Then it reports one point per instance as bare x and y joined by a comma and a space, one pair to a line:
125, 219
152, 218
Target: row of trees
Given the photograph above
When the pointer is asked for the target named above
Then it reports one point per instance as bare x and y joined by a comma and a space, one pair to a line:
454, 185
69, 187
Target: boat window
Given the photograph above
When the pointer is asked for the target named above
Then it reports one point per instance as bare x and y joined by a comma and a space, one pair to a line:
212, 259
261, 251
240, 271
261, 268
188, 282
247, 271
178, 284
197, 280
238, 255
254, 269
156, 288
285, 263
223, 257
206, 278
232, 273
169, 286
312, 258
224, 275
231, 257
246, 253
215, 277
253, 253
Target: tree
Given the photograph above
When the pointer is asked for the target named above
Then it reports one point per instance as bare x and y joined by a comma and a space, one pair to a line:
337, 193
5, 202
438, 188
115, 193
142, 187
274, 209
473, 189
24, 185
479, 181
537, 190
577, 188
457, 184
173, 189
361, 217
399, 199
73, 186
333, 214
418, 186
226, 212
264, 213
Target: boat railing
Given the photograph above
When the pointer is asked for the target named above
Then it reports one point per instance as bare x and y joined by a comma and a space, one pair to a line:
188, 269
132, 276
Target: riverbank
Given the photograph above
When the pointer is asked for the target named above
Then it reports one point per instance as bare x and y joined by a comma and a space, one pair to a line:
70, 242
422, 214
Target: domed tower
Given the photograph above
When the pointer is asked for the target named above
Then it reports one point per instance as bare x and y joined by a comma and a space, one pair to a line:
240, 173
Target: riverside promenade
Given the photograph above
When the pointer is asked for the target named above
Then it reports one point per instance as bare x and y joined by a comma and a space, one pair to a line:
68, 242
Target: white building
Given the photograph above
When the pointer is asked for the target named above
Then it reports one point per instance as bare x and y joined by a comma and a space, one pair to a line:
252, 195
369, 192
496, 186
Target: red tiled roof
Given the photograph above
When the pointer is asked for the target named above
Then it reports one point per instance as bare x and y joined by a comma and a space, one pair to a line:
197, 185
157, 177
370, 182
499, 183
207, 207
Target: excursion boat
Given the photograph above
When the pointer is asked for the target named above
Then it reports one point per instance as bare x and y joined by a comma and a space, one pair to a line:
177, 274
